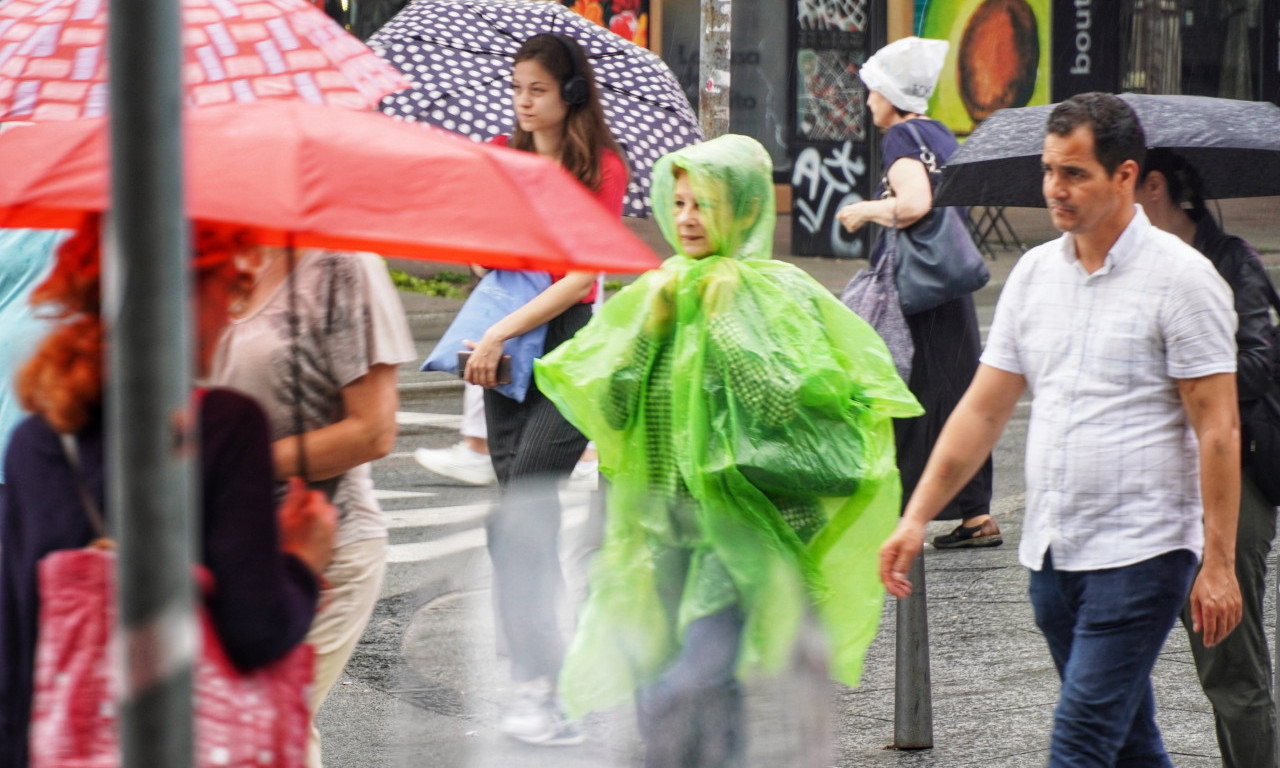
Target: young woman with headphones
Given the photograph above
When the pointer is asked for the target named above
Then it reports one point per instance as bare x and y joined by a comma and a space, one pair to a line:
559, 116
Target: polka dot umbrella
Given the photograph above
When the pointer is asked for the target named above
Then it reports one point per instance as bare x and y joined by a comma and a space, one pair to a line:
459, 55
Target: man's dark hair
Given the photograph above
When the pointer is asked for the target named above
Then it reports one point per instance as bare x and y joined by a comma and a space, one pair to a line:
1117, 134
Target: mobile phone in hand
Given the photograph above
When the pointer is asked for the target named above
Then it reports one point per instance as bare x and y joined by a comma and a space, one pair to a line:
504, 366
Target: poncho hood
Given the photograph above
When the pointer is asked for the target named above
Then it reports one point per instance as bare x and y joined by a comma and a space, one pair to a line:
732, 179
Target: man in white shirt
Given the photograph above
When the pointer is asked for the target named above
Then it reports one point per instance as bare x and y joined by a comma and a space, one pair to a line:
1125, 337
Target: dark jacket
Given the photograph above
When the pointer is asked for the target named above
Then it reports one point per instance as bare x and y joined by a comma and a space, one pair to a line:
263, 600
1239, 265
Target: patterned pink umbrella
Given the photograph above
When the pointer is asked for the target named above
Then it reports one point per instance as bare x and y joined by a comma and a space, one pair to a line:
53, 62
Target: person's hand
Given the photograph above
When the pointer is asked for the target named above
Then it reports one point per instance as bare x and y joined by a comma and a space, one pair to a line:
896, 555
482, 366
853, 216
307, 526
661, 312
716, 290
1215, 603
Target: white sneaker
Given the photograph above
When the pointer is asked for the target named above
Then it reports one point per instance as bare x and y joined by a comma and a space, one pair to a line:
585, 476
459, 463
534, 717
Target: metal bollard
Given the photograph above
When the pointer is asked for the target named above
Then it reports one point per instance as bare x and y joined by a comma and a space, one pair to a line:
913, 697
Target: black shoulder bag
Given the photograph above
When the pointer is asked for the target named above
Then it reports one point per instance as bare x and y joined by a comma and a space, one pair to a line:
937, 260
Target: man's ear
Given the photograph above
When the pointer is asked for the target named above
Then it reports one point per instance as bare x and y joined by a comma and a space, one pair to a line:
1127, 173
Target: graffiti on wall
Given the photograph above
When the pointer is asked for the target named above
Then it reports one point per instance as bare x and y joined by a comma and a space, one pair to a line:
823, 180
830, 99
834, 15
626, 18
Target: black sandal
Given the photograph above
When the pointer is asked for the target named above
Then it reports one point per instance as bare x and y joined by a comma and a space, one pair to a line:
985, 535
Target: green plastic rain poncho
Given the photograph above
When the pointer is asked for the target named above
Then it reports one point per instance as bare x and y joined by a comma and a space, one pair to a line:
742, 415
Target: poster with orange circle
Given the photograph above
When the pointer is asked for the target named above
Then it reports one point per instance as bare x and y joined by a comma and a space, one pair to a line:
999, 57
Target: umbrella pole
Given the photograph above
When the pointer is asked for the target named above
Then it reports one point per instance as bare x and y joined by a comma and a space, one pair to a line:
151, 434
295, 360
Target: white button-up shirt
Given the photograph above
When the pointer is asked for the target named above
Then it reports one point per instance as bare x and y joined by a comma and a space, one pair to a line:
1112, 465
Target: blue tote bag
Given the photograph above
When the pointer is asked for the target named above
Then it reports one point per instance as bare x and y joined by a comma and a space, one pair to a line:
499, 293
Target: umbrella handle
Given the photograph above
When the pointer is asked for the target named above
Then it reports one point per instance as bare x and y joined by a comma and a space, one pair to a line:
295, 361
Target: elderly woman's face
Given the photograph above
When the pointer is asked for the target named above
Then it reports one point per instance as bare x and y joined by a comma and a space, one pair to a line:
689, 225
882, 111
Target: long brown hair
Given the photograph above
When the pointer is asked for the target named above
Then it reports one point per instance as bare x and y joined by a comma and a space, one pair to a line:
62, 382
586, 135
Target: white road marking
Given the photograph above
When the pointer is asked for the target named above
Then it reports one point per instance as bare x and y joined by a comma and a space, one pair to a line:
429, 516
402, 494
576, 511
441, 420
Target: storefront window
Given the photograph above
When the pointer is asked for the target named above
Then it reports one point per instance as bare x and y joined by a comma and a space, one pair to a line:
1195, 47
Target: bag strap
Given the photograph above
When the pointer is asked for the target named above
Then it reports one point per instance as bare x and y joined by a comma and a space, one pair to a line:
90, 507
927, 156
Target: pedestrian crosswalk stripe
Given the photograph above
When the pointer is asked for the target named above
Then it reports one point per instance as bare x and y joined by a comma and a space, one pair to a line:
441, 420
383, 495
576, 511
428, 516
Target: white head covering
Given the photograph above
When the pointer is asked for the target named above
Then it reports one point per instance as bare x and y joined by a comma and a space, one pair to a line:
906, 71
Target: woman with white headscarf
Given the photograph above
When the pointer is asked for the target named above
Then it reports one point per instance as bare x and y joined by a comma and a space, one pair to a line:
900, 78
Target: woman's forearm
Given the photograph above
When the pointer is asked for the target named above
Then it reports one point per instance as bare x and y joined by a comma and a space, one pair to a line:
559, 296
365, 433
334, 449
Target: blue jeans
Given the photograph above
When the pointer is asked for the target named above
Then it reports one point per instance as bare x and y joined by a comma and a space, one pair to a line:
1105, 629
691, 716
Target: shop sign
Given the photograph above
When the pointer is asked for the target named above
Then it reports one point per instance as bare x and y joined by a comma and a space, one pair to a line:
1086, 47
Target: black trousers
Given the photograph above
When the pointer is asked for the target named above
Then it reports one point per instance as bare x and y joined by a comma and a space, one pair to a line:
532, 447
1236, 673
946, 357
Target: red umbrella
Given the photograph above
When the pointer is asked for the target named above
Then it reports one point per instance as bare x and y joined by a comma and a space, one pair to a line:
53, 57
311, 176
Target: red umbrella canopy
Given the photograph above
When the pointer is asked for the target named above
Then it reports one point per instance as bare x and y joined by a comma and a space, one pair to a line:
53, 57
314, 176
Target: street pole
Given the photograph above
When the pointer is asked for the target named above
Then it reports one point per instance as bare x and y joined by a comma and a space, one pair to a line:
150, 440
913, 696
713, 68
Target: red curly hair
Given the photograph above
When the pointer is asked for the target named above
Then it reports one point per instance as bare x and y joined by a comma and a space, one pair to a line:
62, 382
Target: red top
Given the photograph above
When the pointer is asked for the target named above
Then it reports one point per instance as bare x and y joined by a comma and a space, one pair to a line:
613, 187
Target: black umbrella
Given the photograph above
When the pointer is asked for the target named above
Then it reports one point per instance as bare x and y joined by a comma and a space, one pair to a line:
1233, 145
459, 55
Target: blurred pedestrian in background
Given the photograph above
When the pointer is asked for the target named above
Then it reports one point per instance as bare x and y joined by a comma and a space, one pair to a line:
1124, 335
558, 116
26, 255
338, 377
742, 415
900, 78
1236, 673
267, 579
468, 460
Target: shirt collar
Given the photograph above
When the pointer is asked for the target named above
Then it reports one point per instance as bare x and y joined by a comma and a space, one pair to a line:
1124, 245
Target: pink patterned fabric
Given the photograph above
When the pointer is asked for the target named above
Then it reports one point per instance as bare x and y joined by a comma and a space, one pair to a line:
53, 62
243, 720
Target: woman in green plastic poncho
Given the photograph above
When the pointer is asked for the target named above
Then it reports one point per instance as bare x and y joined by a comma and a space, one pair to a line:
743, 417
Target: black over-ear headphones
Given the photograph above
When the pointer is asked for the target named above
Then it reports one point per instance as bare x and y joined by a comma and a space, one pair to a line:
575, 89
